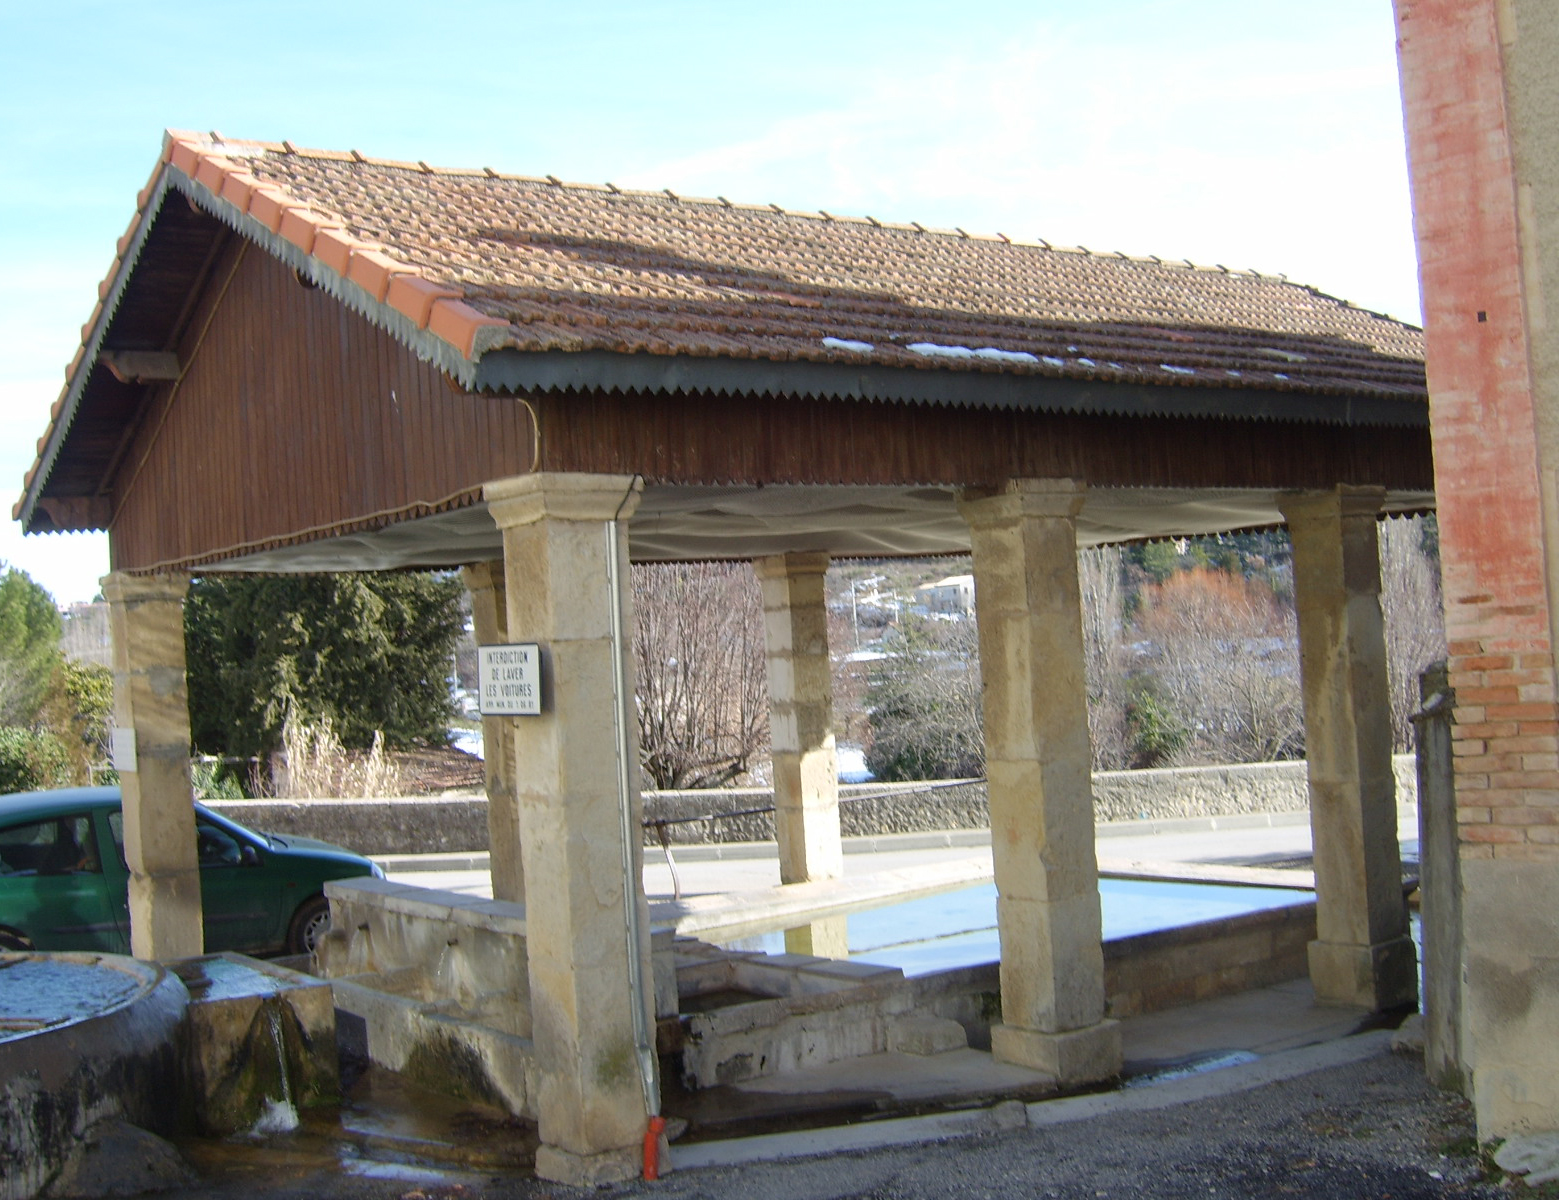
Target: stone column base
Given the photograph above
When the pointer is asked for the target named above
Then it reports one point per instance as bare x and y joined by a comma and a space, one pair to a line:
1376, 977
1076, 1056
590, 1170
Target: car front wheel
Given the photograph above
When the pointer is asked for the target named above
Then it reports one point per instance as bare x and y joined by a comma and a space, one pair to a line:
309, 925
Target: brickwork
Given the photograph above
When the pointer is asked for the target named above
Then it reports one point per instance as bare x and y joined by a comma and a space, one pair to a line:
1486, 417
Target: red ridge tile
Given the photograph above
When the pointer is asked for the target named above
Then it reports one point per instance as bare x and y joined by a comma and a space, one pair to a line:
457, 322
414, 296
372, 270
333, 247
301, 227
185, 157
211, 172
267, 205
238, 188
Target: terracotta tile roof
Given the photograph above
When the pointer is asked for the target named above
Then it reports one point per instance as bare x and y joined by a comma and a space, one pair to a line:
481, 261
554, 266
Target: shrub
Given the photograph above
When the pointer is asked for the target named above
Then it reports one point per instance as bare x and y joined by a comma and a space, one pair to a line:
31, 760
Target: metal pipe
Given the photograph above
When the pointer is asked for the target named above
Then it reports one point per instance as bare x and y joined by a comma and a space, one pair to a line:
644, 1048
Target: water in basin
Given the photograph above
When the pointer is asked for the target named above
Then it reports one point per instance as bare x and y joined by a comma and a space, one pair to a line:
958, 928
38, 992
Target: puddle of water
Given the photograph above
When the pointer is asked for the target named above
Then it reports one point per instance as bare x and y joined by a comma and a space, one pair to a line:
1184, 1070
958, 928
218, 978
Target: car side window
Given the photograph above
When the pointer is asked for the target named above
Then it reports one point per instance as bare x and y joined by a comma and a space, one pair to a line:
116, 830
216, 847
61, 846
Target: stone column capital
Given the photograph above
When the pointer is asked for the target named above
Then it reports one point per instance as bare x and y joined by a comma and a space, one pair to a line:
781, 566
120, 587
482, 576
1020, 498
561, 496
1344, 500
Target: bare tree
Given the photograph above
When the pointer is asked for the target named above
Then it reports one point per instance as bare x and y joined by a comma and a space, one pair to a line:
702, 692
1415, 625
1105, 656
1227, 664
925, 704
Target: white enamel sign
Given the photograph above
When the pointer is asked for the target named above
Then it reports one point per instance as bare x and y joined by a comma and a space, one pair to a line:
509, 680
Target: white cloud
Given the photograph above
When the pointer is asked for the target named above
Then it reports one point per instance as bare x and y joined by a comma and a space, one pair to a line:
1288, 161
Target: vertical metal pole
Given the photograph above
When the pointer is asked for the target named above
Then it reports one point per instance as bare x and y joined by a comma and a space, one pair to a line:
643, 1047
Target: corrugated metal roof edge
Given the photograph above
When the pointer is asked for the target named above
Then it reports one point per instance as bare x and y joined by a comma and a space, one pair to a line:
602, 370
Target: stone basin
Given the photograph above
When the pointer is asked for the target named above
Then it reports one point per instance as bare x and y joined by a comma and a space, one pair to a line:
84, 1038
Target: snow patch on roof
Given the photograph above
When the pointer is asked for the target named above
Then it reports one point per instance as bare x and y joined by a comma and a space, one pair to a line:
834, 343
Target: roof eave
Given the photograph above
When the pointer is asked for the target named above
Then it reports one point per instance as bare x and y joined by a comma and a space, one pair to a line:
87, 357
418, 336
511, 370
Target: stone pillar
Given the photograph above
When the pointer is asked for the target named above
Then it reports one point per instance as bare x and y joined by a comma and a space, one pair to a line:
1362, 954
570, 770
801, 715
151, 751
1037, 761
490, 617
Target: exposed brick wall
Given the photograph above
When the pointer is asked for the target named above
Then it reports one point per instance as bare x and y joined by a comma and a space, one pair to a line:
1485, 419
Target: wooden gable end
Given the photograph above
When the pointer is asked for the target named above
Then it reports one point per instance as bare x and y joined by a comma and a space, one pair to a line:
296, 419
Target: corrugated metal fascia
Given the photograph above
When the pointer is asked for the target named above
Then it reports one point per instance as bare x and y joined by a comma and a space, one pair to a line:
605, 371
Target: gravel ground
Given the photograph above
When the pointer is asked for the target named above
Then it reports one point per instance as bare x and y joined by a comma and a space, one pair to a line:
1373, 1128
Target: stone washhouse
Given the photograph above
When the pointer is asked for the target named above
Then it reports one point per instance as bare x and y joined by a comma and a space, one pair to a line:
318, 361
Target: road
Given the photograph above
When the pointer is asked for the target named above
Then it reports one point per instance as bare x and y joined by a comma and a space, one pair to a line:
701, 874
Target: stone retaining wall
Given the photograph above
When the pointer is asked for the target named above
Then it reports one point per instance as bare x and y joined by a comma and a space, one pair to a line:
448, 825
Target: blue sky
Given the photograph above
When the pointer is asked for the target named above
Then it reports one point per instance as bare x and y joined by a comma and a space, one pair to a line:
1241, 132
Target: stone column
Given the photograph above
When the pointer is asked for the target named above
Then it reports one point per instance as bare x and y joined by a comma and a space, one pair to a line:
1362, 954
490, 617
151, 751
570, 770
1037, 761
801, 716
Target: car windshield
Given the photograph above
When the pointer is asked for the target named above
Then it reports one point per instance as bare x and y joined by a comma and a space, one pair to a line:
214, 844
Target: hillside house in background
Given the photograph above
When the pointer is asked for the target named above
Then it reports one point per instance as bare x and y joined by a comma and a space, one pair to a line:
952, 596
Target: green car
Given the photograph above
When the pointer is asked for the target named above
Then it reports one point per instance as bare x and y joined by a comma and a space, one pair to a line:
64, 883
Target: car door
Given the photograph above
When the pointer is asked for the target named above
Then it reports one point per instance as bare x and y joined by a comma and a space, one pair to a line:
238, 895
53, 887
238, 903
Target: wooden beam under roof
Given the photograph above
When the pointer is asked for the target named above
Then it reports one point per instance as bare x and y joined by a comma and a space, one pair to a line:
141, 366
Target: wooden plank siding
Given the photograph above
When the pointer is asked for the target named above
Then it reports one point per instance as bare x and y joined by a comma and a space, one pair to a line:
295, 414
716, 440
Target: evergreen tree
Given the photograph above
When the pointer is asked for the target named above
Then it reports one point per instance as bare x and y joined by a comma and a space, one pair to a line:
29, 647
366, 651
